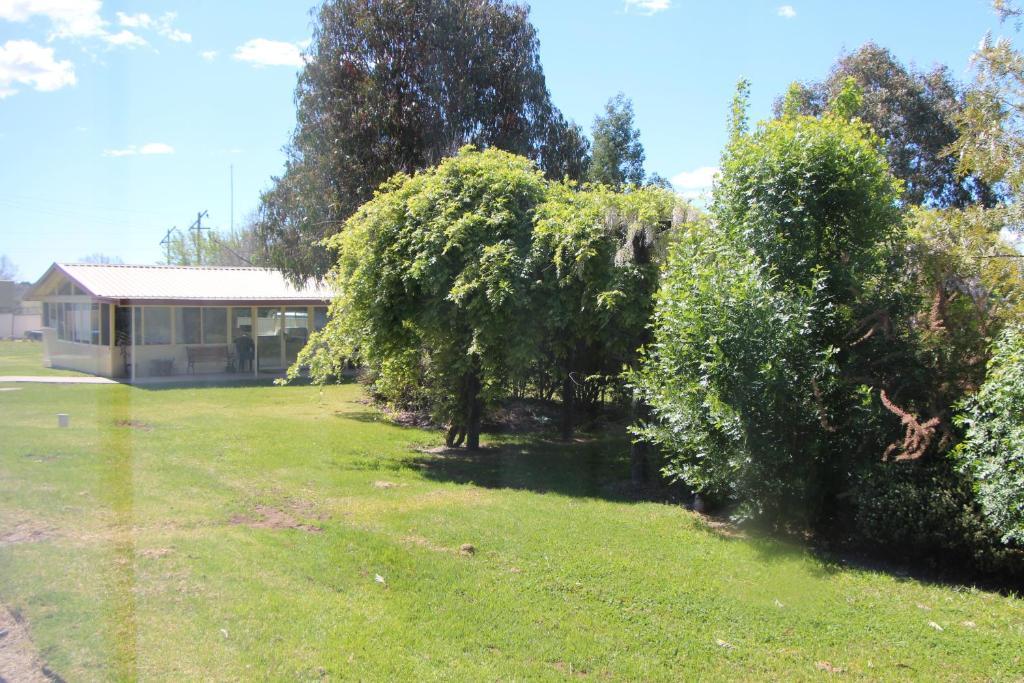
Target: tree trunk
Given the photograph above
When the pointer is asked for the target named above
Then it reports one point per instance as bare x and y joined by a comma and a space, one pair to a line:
639, 467
475, 410
568, 406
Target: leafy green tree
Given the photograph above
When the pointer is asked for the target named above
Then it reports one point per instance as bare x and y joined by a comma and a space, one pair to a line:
993, 450
915, 112
396, 86
599, 253
760, 373
435, 289
243, 247
618, 155
991, 143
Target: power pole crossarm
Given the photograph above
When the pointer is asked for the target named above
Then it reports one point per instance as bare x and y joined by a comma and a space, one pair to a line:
166, 243
197, 234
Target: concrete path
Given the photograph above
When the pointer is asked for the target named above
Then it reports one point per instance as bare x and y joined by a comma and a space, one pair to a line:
55, 379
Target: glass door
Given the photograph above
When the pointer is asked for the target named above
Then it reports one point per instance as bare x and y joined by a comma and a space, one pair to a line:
296, 332
269, 341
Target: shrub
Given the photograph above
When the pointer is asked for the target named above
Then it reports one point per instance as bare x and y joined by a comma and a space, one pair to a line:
757, 374
992, 453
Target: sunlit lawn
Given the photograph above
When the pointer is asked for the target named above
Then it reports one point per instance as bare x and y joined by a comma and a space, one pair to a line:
145, 552
25, 358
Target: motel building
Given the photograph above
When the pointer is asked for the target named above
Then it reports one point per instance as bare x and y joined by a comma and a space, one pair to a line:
147, 322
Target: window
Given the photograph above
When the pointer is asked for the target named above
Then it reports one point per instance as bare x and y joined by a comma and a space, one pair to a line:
137, 324
188, 322
76, 322
296, 324
319, 317
94, 324
196, 325
215, 325
241, 322
105, 324
46, 314
156, 321
64, 289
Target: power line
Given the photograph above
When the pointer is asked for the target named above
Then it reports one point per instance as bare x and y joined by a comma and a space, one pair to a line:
74, 206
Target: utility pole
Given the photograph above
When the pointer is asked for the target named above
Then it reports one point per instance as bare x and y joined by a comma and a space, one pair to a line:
166, 243
197, 234
232, 199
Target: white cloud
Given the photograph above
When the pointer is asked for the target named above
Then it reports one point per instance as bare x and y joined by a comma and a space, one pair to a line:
208, 55
25, 62
156, 148
125, 38
176, 35
648, 6
70, 18
132, 150
140, 20
81, 19
786, 11
263, 52
162, 25
693, 184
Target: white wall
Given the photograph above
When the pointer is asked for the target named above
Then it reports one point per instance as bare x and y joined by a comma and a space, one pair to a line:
15, 325
96, 360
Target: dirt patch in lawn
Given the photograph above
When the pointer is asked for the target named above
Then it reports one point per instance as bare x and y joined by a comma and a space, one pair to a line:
134, 424
266, 517
466, 549
19, 657
26, 532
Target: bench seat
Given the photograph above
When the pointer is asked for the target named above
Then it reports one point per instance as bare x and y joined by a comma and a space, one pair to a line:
206, 354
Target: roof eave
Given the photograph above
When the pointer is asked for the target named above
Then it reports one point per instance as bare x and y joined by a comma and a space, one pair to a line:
32, 293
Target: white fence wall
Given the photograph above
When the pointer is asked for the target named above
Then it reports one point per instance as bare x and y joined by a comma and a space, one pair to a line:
15, 325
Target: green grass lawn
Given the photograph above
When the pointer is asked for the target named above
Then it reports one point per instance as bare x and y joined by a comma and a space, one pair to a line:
154, 539
26, 358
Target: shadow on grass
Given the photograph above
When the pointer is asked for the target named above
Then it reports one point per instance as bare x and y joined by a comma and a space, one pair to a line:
590, 466
221, 383
594, 467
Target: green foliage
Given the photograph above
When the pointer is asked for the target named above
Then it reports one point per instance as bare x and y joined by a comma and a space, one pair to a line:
618, 155
434, 289
991, 142
739, 120
848, 101
962, 284
925, 510
807, 194
394, 86
244, 247
597, 251
914, 112
479, 279
753, 379
992, 452
728, 375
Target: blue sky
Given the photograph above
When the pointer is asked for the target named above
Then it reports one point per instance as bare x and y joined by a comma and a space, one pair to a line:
119, 120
